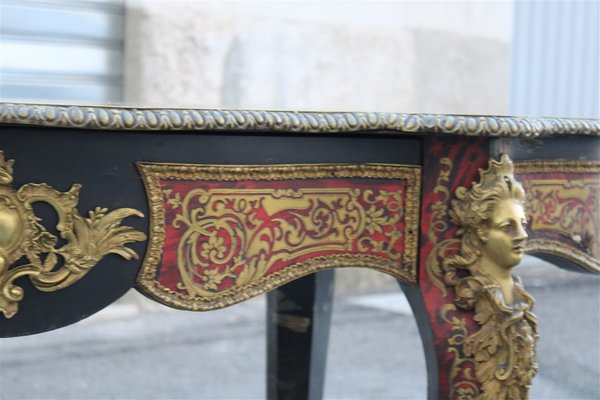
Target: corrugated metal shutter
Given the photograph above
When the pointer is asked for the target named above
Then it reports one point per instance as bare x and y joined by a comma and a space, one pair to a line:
556, 60
61, 51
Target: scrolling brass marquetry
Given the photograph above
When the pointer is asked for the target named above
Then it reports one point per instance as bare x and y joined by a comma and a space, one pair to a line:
491, 219
222, 234
50, 268
563, 207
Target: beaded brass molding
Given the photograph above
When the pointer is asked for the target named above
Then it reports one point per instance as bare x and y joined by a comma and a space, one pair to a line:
553, 166
115, 118
88, 240
563, 207
205, 259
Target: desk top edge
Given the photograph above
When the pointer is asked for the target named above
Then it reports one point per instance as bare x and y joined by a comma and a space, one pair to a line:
205, 120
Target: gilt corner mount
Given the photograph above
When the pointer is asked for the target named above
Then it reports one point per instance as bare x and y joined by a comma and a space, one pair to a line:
51, 268
491, 220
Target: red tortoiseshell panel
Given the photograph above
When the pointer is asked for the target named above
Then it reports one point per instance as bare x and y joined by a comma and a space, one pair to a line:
563, 205
449, 163
221, 234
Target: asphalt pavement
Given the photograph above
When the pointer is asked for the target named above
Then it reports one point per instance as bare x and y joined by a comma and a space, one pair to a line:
137, 349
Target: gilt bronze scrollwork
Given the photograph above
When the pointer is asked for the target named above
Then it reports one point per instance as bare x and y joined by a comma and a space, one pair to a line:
491, 220
22, 236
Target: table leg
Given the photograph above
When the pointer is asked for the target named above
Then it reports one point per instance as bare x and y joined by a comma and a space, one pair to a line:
415, 299
298, 319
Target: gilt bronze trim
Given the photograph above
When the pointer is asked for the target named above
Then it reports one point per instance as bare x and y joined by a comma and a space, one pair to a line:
155, 119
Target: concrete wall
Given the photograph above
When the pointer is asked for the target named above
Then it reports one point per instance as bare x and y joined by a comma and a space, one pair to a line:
427, 57
433, 57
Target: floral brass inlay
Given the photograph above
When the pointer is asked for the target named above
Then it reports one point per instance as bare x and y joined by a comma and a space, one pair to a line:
221, 234
563, 204
50, 268
462, 382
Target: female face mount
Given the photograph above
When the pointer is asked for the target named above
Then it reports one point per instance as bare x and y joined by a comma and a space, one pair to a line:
492, 217
503, 243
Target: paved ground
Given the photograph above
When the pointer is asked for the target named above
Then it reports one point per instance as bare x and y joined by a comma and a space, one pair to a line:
138, 350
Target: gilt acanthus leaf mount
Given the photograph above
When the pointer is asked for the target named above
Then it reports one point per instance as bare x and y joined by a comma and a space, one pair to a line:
51, 268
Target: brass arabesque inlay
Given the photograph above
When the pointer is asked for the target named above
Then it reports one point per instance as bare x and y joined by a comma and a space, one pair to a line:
302, 234
565, 207
349, 212
88, 240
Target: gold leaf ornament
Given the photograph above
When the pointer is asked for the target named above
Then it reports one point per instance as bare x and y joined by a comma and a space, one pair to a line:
490, 217
88, 240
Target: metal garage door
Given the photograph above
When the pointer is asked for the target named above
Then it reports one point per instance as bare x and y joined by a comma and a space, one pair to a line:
61, 51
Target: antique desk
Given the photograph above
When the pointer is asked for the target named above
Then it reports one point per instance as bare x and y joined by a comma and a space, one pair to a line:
202, 209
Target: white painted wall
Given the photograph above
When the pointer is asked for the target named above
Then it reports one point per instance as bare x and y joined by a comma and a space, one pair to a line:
432, 57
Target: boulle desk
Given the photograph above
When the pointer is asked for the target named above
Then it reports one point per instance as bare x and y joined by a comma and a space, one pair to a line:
203, 209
